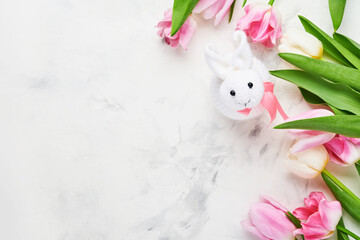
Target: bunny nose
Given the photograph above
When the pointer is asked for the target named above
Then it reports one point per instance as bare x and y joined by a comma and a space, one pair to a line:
250, 85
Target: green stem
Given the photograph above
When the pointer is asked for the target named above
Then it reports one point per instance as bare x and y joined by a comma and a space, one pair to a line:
295, 221
350, 233
271, 2
340, 184
341, 235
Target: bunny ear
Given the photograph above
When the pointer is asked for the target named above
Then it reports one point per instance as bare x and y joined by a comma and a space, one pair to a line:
217, 63
243, 57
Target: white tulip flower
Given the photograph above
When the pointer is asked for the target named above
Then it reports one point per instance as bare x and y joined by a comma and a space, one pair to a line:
301, 42
309, 163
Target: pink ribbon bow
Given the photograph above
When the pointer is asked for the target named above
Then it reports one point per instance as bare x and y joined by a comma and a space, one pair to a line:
270, 103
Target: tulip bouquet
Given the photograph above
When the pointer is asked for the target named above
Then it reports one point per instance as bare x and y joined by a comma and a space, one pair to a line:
328, 75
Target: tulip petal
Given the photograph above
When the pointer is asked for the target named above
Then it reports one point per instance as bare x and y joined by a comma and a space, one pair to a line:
343, 151
213, 10
313, 228
187, 30
254, 13
248, 225
269, 200
308, 44
171, 40
314, 49
335, 159
311, 114
286, 47
312, 141
202, 5
221, 14
168, 15
301, 169
330, 213
316, 158
298, 231
355, 141
271, 222
264, 29
275, 23
303, 213
314, 200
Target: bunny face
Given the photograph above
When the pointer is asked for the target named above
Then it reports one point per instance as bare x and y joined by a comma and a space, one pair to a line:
240, 79
242, 89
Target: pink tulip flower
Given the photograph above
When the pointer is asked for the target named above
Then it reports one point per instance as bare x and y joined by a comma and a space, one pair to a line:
213, 8
319, 217
267, 220
262, 23
182, 37
343, 150
308, 138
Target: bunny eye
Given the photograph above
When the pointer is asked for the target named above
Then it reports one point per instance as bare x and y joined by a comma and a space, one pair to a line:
250, 85
232, 93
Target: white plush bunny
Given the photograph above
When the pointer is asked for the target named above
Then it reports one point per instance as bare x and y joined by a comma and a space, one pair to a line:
238, 89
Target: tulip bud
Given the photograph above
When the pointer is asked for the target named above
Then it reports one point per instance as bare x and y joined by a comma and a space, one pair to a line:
343, 150
184, 34
309, 163
262, 23
267, 220
301, 42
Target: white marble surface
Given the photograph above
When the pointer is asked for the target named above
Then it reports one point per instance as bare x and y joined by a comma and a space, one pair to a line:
107, 133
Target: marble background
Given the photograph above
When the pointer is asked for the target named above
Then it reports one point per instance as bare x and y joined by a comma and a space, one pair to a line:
107, 133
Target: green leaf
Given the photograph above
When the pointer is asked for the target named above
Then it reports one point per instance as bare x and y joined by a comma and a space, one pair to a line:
347, 125
244, 3
331, 71
337, 8
357, 165
181, 11
339, 112
348, 43
232, 10
310, 97
338, 95
332, 47
341, 235
349, 201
